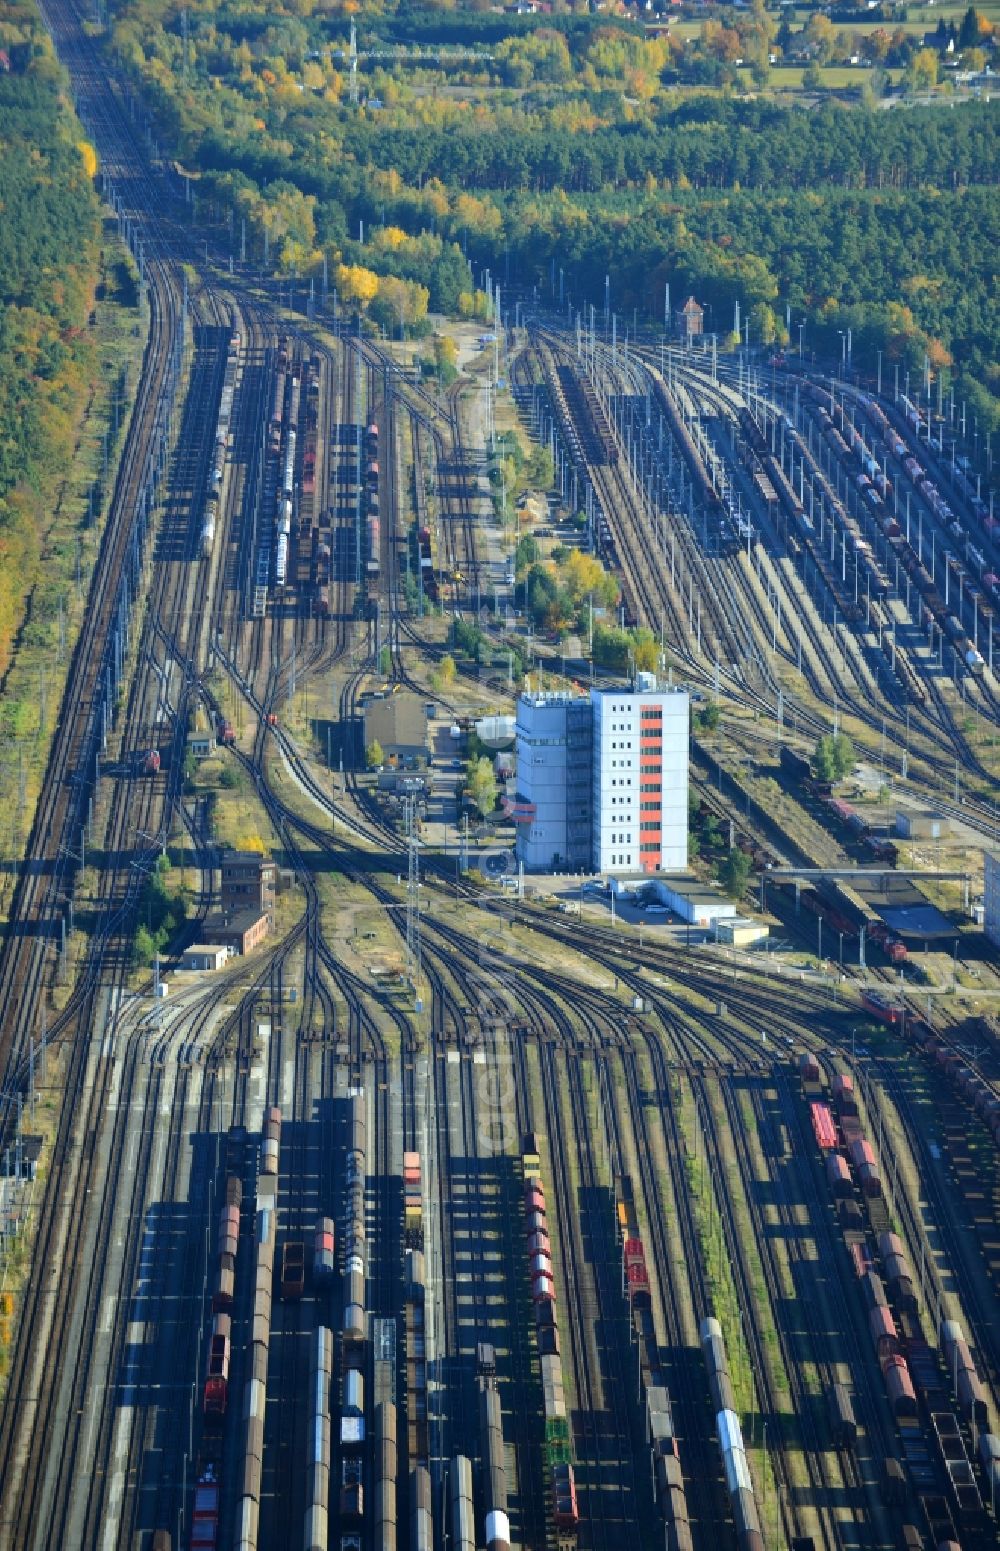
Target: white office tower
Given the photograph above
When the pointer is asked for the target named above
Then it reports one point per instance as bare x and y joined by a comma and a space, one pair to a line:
552, 810
640, 783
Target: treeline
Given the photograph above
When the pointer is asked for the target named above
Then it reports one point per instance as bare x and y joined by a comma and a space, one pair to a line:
705, 143
48, 270
884, 222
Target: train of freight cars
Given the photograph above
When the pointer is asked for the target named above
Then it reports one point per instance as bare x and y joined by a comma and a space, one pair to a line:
919, 1383
372, 562
220, 447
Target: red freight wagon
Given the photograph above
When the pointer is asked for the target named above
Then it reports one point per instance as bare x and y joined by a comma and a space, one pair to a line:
850, 1127
823, 1126
838, 1174
899, 1386
866, 1167
808, 1068
883, 1331
861, 1257
843, 1093
637, 1278
566, 1511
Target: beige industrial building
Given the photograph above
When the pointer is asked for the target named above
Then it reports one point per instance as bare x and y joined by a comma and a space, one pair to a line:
398, 723
201, 956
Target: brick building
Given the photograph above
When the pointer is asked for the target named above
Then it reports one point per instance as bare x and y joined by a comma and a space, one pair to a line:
689, 321
240, 931
248, 883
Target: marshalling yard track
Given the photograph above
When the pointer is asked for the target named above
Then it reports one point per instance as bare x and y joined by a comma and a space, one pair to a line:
678, 1114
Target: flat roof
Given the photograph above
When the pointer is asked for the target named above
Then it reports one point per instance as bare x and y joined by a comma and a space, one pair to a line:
923, 920
903, 907
206, 947
629, 689
235, 921
544, 697
678, 883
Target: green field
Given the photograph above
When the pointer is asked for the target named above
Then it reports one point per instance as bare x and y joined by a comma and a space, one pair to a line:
834, 77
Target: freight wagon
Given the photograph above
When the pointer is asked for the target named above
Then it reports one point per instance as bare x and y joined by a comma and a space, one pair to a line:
659, 1421
823, 1127
293, 1269
843, 1426
734, 1461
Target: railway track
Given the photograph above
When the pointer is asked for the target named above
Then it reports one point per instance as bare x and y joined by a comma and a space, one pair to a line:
853, 695
573, 1032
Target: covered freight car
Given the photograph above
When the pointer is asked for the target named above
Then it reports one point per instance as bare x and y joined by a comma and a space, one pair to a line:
843, 1426
838, 1175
